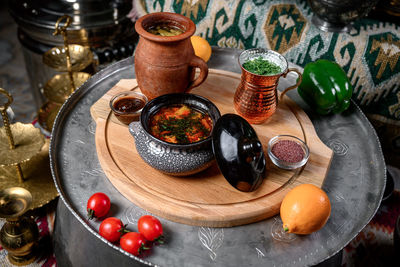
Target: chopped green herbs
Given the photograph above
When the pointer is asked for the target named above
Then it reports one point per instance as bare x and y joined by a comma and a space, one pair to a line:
182, 129
180, 124
261, 66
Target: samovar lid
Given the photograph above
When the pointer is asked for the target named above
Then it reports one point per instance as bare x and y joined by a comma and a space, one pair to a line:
85, 13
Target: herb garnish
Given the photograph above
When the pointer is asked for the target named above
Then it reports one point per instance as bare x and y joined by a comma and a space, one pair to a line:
185, 128
261, 66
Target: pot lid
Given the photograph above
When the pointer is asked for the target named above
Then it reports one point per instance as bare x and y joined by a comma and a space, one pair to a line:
238, 152
85, 13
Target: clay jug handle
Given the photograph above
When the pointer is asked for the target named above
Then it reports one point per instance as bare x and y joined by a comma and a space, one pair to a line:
197, 62
299, 79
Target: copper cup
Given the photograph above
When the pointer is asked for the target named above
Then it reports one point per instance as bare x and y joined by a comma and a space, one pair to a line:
256, 97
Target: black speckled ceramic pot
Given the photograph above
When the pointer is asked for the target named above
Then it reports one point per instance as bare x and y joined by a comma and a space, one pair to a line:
174, 159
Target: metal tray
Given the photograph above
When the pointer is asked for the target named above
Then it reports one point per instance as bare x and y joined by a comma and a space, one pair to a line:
355, 185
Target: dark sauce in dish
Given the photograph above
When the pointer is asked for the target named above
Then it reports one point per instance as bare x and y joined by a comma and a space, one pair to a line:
128, 104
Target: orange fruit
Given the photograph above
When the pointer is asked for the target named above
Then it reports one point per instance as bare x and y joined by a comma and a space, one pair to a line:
201, 47
305, 209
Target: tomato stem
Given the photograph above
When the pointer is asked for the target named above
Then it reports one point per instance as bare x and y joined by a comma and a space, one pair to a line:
160, 239
142, 248
123, 230
286, 229
90, 214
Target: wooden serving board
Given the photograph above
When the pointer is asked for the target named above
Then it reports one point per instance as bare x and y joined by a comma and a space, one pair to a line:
206, 198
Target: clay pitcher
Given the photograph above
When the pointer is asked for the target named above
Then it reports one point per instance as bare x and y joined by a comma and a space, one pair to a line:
166, 64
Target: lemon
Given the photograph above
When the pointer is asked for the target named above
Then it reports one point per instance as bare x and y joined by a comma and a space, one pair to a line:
305, 209
201, 47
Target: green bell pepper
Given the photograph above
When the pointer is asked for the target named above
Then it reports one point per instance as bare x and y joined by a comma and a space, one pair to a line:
325, 87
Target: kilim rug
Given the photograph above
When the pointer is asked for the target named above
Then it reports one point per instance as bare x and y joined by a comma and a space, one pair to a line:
373, 246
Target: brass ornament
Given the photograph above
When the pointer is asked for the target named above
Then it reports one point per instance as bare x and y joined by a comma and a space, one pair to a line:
19, 235
63, 31
69, 59
24, 153
39, 183
14, 202
80, 56
57, 89
28, 141
6, 120
47, 115
8, 156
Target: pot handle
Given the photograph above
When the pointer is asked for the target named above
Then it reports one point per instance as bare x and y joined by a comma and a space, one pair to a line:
134, 128
197, 62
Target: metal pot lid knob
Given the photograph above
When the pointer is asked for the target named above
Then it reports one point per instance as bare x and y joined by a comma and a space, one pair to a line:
238, 152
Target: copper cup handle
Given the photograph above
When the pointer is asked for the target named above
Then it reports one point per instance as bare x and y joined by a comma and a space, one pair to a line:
197, 62
299, 79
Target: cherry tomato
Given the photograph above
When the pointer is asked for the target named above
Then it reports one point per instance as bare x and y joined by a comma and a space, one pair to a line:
98, 205
133, 243
151, 228
112, 229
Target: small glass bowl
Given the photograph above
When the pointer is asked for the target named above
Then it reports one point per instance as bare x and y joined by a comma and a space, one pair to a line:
285, 164
127, 117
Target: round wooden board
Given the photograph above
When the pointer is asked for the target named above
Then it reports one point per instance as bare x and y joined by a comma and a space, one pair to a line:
206, 199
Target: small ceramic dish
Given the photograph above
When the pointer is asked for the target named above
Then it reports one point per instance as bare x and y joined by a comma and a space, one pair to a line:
288, 152
170, 158
128, 105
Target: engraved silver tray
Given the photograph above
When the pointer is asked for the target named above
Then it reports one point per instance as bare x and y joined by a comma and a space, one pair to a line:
355, 185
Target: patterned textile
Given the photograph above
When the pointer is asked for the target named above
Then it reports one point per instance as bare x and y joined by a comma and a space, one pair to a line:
373, 246
369, 53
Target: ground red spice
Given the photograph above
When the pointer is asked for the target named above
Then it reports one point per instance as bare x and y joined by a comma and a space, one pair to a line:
288, 150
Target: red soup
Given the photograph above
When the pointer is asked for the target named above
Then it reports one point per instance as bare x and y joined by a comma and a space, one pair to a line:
180, 124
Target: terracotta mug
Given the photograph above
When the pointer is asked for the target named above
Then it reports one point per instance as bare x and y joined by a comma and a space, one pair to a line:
166, 64
256, 97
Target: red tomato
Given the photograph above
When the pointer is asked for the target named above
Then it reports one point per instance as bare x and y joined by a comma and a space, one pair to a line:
151, 228
133, 243
98, 205
111, 229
